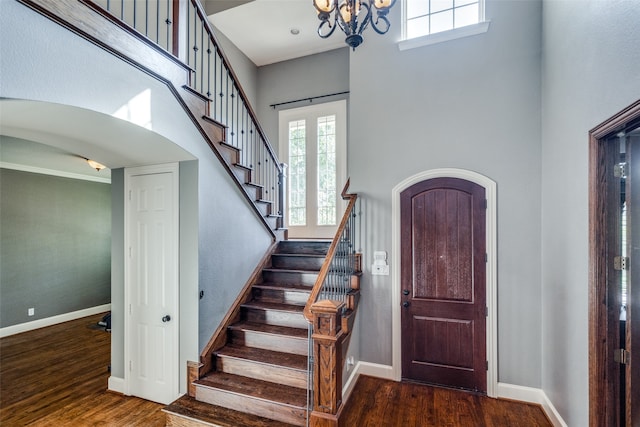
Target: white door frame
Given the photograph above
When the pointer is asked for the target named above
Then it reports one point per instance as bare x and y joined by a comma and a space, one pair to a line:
491, 277
172, 168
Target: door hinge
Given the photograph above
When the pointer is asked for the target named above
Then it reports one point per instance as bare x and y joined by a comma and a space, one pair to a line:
486, 363
621, 356
620, 170
486, 311
485, 203
621, 263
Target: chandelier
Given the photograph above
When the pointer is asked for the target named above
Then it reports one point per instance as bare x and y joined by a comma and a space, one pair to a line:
352, 16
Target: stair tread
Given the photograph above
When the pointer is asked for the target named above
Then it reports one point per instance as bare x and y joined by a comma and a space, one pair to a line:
258, 389
189, 407
277, 306
285, 254
284, 286
290, 270
271, 329
288, 360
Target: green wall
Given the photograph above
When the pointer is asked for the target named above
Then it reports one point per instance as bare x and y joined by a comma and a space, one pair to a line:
55, 251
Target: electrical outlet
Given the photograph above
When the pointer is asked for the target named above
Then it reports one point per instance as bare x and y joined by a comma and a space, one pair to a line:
31, 311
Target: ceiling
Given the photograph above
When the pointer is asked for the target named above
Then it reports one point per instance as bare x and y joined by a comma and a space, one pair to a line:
261, 29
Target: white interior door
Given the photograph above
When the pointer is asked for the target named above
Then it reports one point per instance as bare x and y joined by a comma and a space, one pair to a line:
313, 142
151, 324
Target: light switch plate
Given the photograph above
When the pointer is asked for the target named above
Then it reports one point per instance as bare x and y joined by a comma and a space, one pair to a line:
380, 270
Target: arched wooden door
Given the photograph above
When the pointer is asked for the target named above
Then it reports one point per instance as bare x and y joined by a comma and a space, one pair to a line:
443, 270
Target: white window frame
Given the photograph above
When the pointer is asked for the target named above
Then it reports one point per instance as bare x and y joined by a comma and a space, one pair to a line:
470, 30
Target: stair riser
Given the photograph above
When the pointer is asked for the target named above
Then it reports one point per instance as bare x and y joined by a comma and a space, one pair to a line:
260, 371
264, 208
290, 277
303, 247
281, 296
270, 342
275, 317
297, 262
267, 409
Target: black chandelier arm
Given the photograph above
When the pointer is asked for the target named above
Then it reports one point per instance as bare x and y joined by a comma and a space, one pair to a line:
326, 22
360, 16
382, 16
366, 19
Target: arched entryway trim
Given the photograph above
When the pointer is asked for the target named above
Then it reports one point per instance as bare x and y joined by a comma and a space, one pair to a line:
491, 276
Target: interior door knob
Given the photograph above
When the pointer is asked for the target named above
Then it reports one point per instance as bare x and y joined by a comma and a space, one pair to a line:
406, 304
405, 292
166, 318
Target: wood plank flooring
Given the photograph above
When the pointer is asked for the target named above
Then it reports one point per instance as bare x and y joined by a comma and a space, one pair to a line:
57, 376
376, 402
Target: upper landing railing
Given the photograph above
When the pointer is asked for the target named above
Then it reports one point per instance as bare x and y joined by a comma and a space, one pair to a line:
181, 28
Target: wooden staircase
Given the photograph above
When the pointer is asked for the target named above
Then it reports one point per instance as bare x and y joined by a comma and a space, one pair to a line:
260, 375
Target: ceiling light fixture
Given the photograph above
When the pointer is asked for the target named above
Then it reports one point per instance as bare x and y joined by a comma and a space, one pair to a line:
352, 16
97, 166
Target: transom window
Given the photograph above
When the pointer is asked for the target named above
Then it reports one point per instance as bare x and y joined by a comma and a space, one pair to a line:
424, 17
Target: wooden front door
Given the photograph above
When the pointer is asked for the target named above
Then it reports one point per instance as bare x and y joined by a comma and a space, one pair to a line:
443, 261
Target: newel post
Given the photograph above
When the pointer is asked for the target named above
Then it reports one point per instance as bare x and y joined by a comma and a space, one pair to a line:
327, 371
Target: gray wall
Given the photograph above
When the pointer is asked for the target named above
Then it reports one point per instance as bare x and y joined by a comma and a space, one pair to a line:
243, 67
41, 61
314, 75
591, 70
471, 103
55, 236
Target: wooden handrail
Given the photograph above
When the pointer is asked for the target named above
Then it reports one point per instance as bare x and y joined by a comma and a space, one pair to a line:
317, 287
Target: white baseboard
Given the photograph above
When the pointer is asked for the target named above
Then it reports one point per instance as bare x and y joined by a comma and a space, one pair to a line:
53, 320
365, 368
116, 384
531, 395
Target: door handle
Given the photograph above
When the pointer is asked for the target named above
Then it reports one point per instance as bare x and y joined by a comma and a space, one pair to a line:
166, 318
406, 304
405, 292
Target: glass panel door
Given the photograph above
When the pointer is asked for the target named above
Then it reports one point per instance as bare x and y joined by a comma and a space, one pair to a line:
313, 140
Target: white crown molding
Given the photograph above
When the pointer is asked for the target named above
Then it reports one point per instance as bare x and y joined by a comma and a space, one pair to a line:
52, 172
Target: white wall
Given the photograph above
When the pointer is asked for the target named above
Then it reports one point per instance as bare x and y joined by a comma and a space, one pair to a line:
471, 103
41, 61
591, 70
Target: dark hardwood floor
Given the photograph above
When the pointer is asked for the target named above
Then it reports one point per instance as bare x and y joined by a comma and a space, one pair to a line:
376, 402
57, 376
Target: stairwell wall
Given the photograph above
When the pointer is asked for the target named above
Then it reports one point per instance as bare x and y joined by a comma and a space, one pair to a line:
472, 103
590, 71
44, 62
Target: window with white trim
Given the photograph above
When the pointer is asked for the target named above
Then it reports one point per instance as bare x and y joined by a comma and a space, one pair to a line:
426, 17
